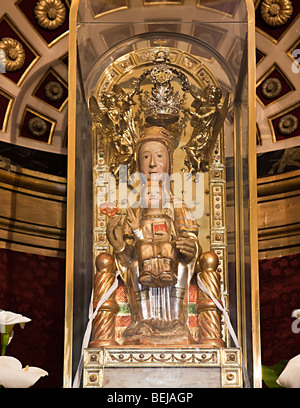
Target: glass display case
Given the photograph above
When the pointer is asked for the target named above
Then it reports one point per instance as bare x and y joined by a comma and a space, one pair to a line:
161, 221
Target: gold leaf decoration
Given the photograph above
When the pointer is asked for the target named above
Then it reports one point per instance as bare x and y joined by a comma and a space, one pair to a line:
276, 12
50, 14
14, 54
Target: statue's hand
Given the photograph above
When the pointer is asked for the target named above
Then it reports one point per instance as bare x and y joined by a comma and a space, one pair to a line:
132, 220
187, 247
115, 232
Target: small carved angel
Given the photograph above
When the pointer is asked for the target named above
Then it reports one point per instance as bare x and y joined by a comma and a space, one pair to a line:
118, 124
124, 136
207, 120
99, 116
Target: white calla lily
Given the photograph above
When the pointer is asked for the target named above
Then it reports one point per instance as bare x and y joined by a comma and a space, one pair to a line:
12, 375
10, 318
296, 313
7, 322
290, 376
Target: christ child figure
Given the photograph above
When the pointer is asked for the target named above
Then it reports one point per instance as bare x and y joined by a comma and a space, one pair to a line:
155, 236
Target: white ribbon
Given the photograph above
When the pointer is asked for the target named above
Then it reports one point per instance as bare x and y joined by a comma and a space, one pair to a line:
88, 330
228, 323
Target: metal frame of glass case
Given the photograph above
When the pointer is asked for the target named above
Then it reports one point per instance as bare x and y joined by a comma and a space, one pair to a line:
107, 43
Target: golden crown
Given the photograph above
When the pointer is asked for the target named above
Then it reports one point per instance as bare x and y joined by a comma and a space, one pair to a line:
163, 105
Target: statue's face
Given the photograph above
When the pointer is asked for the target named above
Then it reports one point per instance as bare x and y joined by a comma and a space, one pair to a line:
153, 160
152, 195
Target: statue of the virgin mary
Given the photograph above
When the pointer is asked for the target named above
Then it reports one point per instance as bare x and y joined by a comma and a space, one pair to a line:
159, 312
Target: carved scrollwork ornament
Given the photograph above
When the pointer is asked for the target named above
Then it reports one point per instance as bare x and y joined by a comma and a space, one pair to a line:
271, 88
54, 91
276, 12
288, 124
37, 127
50, 14
14, 54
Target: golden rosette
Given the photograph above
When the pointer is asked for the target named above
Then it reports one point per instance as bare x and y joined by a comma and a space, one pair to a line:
50, 14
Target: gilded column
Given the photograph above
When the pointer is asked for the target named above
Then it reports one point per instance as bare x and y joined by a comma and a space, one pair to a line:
104, 322
209, 316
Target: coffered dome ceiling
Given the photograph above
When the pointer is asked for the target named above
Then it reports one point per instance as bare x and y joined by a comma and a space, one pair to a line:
34, 93
34, 88
278, 43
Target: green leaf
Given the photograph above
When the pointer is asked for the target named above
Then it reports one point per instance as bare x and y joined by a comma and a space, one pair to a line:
271, 373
